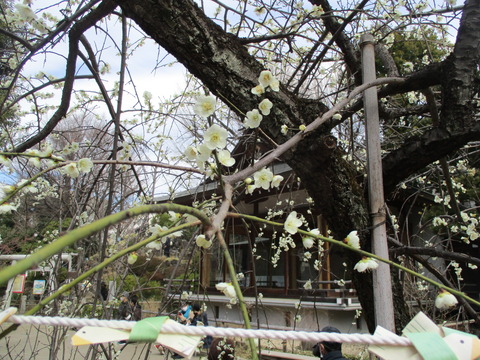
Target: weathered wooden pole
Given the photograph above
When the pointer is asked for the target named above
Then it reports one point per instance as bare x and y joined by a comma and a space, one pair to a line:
382, 283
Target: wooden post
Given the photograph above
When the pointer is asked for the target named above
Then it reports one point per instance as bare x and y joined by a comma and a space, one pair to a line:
382, 283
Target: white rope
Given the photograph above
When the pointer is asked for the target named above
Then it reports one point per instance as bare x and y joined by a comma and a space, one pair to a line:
176, 328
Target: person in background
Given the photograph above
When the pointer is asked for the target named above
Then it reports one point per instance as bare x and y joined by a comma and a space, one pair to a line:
200, 318
327, 350
185, 314
104, 291
136, 308
124, 309
221, 349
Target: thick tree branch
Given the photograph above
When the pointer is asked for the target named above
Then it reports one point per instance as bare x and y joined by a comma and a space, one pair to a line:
338, 37
458, 84
351, 56
421, 151
448, 255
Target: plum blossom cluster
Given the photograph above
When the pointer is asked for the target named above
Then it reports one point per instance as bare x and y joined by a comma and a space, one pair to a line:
74, 169
308, 243
214, 139
468, 229
285, 242
263, 179
254, 117
38, 190
367, 263
157, 230
24, 15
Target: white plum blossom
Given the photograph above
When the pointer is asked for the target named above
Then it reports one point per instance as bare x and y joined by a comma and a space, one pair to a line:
308, 285
132, 258
71, 170
7, 208
284, 129
263, 178
317, 10
202, 242
265, 106
250, 189
25, 13
267, 79
46, 151
147, 95
353, 240
275, 85
35, 162
203, 152
205, 105
5, 161
308, 242
156, 245
84, 165
215, 137
302, 127
227, 289
253, 119
185, 295
292, 223
258, 90
191, 153
337, 116
156, 229
174, 216
211, 171
175, 234
366, 264
225, 158
445, 300
7, 189
277, 180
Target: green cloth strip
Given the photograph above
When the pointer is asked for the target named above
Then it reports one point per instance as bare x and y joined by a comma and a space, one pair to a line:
431, 346
147, 330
